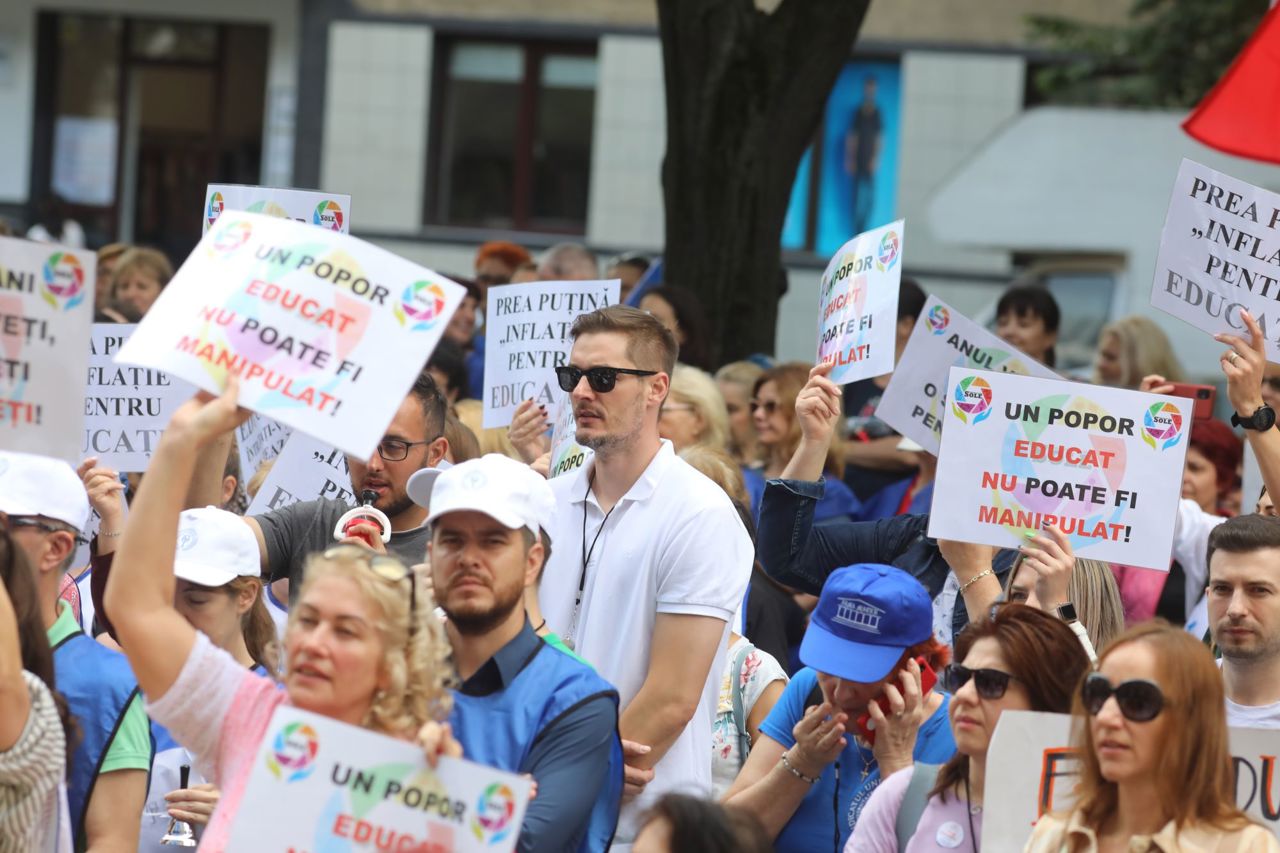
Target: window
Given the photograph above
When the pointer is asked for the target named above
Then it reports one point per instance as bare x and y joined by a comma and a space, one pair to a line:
512, 142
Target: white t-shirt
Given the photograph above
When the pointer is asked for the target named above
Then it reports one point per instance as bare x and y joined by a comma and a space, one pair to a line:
1253, 716
1191, 529
672, 544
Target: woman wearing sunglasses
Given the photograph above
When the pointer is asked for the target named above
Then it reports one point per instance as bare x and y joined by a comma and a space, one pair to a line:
1155, 771
357, 649
1002, 667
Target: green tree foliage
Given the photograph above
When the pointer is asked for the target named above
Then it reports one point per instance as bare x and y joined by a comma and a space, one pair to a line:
1168, 55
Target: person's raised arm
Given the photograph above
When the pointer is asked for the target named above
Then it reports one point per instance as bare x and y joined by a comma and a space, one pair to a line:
1243, 364
972, 565
15, 698
156, 639
817, 412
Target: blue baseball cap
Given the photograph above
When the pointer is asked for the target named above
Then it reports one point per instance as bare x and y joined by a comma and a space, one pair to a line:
867, 616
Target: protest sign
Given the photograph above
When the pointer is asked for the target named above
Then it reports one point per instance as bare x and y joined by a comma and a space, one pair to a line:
326, 332
943, 338
319, 784
527, 336
1031, 768
858, 305
1102, 464
305, 470
260, 440
331, 211
1220, 253
566, 454
46, 309
125, 408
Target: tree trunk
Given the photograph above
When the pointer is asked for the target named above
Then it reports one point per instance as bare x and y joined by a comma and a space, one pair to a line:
745, 91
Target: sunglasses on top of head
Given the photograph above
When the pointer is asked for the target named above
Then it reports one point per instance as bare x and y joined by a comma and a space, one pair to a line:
601, 379
1140, 701
990, 683
388, 568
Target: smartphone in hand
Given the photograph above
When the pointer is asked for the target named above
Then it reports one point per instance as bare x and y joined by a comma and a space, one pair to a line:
928, 678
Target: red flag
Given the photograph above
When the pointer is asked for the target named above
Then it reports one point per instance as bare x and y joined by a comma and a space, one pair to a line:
1241, 114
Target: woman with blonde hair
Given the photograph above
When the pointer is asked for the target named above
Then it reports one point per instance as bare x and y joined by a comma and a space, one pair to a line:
1131, 348
1155, 768
139, 277
694, 413
357, 648
736, 381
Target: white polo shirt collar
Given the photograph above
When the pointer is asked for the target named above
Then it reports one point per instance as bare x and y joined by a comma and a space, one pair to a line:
642, 489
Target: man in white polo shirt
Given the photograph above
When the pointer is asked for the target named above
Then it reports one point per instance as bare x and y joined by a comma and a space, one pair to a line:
651, 559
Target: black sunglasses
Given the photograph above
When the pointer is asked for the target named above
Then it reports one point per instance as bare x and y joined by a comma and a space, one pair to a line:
1140, 700
387, 568
601, 379
769, 406
990, 683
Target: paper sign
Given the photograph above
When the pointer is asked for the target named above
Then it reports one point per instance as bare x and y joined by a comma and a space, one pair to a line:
327, 332
331, 211
305, 470
1219, 253
566, 454
46, 309
1102, 464
527, 337
858, 305
125, 408
260, 440
318, 784
943, 338
1031, 770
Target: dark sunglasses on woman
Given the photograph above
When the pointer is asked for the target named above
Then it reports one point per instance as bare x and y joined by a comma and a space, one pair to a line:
601, 379
990, 683
1140, 700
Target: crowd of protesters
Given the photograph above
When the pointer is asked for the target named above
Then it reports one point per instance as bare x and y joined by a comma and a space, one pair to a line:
660, 639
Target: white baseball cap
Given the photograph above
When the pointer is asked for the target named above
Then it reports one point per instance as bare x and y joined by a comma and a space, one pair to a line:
215, 547
507, 491
39, 485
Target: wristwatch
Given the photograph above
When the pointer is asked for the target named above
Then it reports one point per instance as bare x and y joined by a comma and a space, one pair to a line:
1067, 612
1262, 419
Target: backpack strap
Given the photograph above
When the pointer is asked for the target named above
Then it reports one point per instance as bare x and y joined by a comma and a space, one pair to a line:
923, 778
739, 712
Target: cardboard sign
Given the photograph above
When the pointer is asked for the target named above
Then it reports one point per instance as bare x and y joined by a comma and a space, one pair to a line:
566, 454
331, 211
318, 784
1102, 464
1031, 769
527, 337
125, 408
858, 305
306, 469
943, 338
260, 440
326, 332
1219, 253
46, 309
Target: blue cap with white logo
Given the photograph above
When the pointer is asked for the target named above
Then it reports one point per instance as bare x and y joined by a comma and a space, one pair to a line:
867, 616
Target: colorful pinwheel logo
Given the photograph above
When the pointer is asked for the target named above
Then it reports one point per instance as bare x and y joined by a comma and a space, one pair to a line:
421, 304
890, 251
63, 281
1162, 426
230, 237
328, 214
938, 319
216, 205
293, 752
495, 813
971, 402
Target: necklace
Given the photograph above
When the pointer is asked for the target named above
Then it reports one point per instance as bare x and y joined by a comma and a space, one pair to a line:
972, 810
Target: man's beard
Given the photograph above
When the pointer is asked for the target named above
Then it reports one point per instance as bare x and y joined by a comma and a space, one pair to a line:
396, 504
481, 622
1264, 647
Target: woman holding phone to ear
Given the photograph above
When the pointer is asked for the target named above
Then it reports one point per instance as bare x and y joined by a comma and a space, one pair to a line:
1155, 770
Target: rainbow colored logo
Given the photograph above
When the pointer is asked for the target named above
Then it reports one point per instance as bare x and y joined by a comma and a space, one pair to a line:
328, 214
216, 205
495, 813
938, 319
1162, 426
293, 752
230, 237
63, 284
421, 304
972, 400
890, 251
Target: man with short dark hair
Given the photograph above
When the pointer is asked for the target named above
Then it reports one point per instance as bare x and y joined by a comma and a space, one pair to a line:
1244, 616
413, 440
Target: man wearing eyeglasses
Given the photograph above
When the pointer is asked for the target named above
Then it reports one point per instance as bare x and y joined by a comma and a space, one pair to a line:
651, 559
414, 440
47, 508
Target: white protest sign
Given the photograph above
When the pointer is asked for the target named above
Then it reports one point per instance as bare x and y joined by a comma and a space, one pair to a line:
858, 305
527, 337
1031, 768
260, 440
943, 338
125, 408
305, 470
318, 784
566, 454
1220, 253
331, 211
326, 332
46, 310
1102, 464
